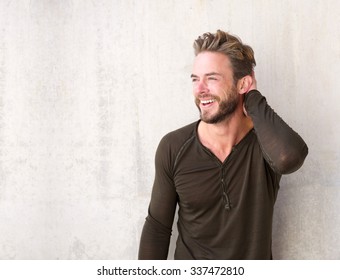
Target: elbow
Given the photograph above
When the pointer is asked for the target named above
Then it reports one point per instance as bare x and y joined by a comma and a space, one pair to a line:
291, 161
155, 240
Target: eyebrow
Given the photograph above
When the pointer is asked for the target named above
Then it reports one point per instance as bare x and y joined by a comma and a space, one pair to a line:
208, 74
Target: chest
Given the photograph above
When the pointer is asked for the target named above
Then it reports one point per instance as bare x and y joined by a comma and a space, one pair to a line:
203, 182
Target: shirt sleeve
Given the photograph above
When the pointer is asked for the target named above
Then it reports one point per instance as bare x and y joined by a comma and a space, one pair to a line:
283, 149
155, 239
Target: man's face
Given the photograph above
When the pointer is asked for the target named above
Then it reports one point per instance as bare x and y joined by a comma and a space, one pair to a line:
213, 87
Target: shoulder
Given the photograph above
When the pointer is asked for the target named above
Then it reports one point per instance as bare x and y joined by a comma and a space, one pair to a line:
181, 135
172, 143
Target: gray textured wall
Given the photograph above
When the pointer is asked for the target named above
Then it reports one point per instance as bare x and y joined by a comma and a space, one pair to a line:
88, 88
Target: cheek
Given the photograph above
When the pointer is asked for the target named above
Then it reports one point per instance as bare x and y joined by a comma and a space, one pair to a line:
195, 89
229, 91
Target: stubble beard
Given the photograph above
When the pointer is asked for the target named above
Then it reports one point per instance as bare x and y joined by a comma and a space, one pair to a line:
227, 108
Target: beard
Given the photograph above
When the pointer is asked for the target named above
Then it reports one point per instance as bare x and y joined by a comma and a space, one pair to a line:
227, 107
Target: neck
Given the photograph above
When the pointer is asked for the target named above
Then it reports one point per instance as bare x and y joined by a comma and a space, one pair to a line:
220, 138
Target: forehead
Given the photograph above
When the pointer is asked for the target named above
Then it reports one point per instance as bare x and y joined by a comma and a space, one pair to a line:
207, 62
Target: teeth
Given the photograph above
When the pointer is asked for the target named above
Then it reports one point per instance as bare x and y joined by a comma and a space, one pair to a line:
207, 101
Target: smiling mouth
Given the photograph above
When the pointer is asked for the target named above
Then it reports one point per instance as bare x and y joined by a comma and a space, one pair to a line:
207, 102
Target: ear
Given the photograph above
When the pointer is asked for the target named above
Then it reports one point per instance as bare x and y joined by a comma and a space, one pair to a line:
244, 84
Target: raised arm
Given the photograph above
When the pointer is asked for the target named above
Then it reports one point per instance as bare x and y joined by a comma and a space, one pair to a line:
282, 147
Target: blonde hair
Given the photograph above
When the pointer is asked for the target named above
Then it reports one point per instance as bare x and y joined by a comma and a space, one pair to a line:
241, 56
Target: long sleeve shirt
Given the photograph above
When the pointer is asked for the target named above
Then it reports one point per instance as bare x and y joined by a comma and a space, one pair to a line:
225, 208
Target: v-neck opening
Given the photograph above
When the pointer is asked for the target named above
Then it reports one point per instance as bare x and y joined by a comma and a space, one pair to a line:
233, 150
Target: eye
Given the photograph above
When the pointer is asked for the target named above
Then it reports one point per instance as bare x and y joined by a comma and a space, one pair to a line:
211, 78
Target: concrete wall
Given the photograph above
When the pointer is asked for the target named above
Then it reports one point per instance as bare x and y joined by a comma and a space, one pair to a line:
88, 88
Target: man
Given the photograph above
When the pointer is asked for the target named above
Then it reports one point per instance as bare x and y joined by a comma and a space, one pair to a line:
224, 170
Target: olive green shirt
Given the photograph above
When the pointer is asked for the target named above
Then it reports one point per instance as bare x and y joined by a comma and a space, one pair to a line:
225, 208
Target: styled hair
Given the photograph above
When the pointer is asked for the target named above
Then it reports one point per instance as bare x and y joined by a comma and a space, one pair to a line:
241, 56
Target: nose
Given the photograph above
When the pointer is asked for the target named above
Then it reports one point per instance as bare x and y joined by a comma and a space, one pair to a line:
200, 87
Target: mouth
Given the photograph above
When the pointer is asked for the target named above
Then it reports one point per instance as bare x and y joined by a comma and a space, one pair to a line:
207, 102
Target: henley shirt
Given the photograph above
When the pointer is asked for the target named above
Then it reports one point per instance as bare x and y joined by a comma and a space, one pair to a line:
225, 208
